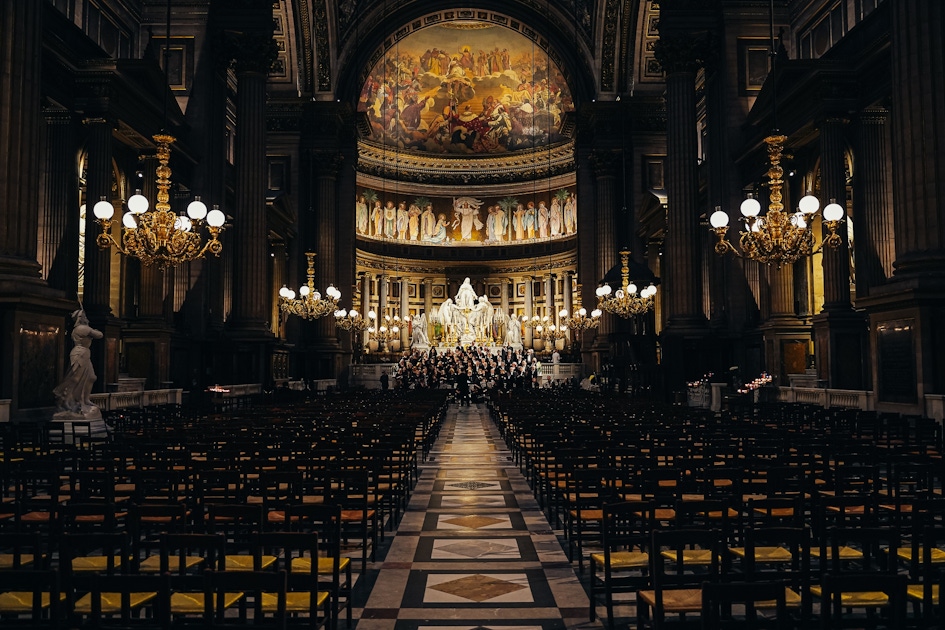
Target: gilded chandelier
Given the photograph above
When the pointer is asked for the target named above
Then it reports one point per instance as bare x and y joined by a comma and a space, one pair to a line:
310, 304
625, 301
580, 320
778, 237
159, 236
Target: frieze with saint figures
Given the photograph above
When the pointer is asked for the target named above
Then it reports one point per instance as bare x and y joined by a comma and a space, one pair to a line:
466, 220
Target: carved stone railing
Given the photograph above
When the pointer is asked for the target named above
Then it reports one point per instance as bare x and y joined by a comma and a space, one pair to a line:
145, 398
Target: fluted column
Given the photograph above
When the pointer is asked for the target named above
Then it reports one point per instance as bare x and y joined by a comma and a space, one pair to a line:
836, 261
605, 164
60, 245
568, 292
365, 305
98, 186
151, 303
326, 212
781, 289
250, 234
874, 246
550, 296
404, 313
678, 54
529, 311
21, 33
428, 305
382, 298
507, 284
918, 93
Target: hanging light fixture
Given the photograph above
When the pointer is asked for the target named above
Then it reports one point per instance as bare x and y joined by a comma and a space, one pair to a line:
160, 236
310, 304
625, 301
777, 237
580, 320
356, 324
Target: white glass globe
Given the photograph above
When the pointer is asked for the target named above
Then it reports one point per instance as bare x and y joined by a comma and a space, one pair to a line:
832, 212
808, 204
652, 289
383, 329
395, 329
563, 312
138, 203
603, 290
216, 218
750, 207
719, 219
371, 315
582, 312
631, 288
303, 290
619, 294
184, 223
284, 292
128, 220
103, 210
316, 296
291, 294
197, 209
339, 313
353, 313
596, 313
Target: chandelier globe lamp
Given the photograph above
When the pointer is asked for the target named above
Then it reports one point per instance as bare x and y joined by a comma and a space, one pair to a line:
628, 300
310, 303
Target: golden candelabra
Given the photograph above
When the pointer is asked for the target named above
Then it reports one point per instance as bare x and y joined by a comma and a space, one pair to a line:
310, 304
356, 324
386, 332
580, 320
778, 237
625, 301
159, 236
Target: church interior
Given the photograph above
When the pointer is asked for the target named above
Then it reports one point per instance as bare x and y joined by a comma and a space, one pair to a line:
520, 288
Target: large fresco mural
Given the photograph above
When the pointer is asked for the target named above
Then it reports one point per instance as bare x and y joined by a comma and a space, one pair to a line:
465, 88
466, 220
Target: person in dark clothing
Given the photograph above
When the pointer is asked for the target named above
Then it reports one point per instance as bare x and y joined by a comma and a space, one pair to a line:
462, 388
385, 381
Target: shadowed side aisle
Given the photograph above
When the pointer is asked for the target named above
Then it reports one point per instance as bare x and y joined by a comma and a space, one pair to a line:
474, 550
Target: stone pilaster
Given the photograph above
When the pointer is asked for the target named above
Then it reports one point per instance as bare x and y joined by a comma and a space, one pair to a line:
404, 313
550, 296
528, 339
836, 262
382, 282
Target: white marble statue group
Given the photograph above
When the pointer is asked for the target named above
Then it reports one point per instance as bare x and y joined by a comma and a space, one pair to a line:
73, 394
473, 318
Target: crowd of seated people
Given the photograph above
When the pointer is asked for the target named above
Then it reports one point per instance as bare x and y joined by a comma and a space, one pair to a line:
485, 369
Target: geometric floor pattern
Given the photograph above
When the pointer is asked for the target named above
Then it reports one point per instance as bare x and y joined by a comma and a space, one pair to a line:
473, 551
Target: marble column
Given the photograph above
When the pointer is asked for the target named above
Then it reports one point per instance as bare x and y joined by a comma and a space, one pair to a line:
605, 165
781, 289
382, 299
529, 311
507, 286
365, 306
874, 245
151, 303
428, 306
60, 224
252, 292
21, 56
568, 292
550, 297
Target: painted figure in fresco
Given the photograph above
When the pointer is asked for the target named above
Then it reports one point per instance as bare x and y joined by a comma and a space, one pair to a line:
530, 219
555, 217
361, 215
519, 222
390, 220
427, 223
542, 220
501, 223
377, 215
466, 212
403, 220
490, 224
570, 214
439, 230
413, 222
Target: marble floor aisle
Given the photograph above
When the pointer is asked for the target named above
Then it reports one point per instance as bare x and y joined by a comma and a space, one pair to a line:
473, 550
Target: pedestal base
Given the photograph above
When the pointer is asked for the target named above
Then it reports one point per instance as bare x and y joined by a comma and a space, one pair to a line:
69, 426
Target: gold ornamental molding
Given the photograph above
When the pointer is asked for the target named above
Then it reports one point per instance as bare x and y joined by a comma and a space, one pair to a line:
386, 162
523, 266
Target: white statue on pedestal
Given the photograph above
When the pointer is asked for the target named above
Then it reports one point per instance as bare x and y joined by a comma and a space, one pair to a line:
513, 332
73, 393
482, 316
419, 338
466, 296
